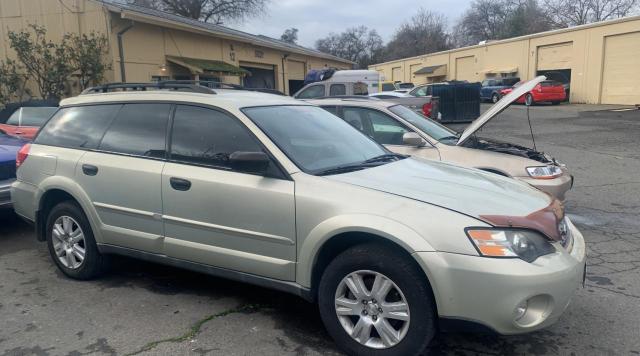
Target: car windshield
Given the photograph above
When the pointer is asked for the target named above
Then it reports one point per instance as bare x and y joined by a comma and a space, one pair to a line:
428, 126
31, 116
315, 140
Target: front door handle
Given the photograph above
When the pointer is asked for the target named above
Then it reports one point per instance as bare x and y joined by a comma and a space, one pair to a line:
89, 169
180, 184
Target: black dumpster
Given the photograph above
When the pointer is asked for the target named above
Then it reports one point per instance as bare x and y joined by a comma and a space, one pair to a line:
459, 101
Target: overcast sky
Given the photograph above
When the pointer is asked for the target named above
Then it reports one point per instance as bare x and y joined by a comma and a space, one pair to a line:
317, 18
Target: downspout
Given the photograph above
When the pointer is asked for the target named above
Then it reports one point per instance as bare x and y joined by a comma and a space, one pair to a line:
123, 77
284, 85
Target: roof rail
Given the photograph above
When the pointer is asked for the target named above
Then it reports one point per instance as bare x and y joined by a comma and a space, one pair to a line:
358, 97
111, 87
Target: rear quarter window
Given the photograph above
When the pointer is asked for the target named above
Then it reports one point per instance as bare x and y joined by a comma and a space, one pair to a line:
77, 127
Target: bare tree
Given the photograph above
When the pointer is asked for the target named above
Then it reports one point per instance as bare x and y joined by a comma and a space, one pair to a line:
425, 32
358, 44
290, 35
215, 11
566, 13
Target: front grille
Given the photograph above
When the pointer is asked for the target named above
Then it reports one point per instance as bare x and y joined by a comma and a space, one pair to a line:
7, 170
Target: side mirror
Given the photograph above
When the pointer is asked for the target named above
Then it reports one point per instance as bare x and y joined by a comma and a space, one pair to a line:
413, 139
250, 162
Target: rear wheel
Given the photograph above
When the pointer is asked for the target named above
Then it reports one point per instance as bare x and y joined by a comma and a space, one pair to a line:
375, 301
72, 244
528, 100
555, 103
495, 98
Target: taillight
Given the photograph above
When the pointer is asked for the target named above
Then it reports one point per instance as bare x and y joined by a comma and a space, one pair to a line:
23, 154
426, 109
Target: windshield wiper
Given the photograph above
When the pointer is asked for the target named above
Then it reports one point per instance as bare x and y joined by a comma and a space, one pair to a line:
386, 157
343, 169
449, 138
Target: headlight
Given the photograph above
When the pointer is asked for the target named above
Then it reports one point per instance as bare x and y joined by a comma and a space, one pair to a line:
544, 172
524, 244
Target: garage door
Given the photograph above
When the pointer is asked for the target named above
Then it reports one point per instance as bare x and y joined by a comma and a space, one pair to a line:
621, 76
556, 56
396, 74
296, 70
466, 68
262, 75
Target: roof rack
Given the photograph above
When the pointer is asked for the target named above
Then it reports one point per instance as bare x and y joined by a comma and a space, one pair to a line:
112, 87
222, 85
357, 97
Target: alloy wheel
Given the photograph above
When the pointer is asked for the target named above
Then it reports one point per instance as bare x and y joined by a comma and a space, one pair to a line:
495, 98
68, 242
372, 309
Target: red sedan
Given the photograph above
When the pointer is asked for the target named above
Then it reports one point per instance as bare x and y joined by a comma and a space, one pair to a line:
26, 121
547, 91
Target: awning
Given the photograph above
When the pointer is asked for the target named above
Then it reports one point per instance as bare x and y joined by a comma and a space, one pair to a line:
433, 71
201, 66
505, 70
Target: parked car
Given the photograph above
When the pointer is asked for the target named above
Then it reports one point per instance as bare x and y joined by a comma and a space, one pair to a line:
26, 121
9, 147
490, 90
10, 108
341, 82
273, 191
546, 91
404, 132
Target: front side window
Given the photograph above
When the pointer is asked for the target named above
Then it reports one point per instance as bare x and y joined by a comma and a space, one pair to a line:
337, 89
208, 137
315, 91
139, 129
422, 91
426, 125
78, 127
383, 128
313, 138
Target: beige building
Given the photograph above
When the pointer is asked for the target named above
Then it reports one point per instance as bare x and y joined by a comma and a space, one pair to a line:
149, 45
601, 61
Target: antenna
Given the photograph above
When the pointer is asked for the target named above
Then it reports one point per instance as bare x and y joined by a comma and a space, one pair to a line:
531, 128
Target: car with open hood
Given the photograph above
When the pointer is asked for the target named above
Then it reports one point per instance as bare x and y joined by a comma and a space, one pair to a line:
274, 191
405, 132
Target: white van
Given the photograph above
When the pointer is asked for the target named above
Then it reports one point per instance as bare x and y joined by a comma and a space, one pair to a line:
367, 81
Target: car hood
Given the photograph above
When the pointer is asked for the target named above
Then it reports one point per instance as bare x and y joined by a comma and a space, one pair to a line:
468, 191
9, 147
499, 107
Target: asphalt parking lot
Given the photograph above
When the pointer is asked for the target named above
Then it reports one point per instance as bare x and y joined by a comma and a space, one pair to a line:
141, 308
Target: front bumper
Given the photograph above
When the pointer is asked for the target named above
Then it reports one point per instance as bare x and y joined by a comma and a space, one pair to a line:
5, 192
558, 187
487, 291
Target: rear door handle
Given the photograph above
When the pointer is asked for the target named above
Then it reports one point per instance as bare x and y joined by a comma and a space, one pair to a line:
180, 184
89, 169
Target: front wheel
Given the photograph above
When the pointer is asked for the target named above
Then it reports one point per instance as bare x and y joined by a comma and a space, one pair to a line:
375, 301
528, 100
495, 98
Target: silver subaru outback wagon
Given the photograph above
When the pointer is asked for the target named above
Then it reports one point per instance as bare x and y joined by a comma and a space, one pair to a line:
279, 193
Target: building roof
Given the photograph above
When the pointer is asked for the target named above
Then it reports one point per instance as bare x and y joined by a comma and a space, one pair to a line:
513, 39
140, 13
199, 66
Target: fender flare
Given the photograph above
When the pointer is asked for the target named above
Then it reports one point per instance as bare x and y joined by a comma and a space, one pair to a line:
386, 228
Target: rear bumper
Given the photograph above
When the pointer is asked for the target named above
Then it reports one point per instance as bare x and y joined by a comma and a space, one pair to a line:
5, 192
558, 187
550, 97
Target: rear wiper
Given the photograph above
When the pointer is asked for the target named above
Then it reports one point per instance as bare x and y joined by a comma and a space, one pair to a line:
386, 157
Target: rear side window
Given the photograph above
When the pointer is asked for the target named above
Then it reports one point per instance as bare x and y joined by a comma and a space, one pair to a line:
337, 89
316, 91
138, 129
77, 127
36, 116
207, 137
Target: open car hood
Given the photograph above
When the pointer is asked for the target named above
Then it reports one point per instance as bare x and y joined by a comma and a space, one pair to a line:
498, 107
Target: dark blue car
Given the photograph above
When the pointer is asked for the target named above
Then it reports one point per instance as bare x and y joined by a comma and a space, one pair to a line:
490, 90
9, 147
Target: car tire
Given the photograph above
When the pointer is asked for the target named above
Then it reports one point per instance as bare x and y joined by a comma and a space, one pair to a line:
373, 261
555, 103
528, 100
69, 236
495, 98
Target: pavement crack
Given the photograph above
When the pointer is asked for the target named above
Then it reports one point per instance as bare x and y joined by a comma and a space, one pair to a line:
614, 291
195, 328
